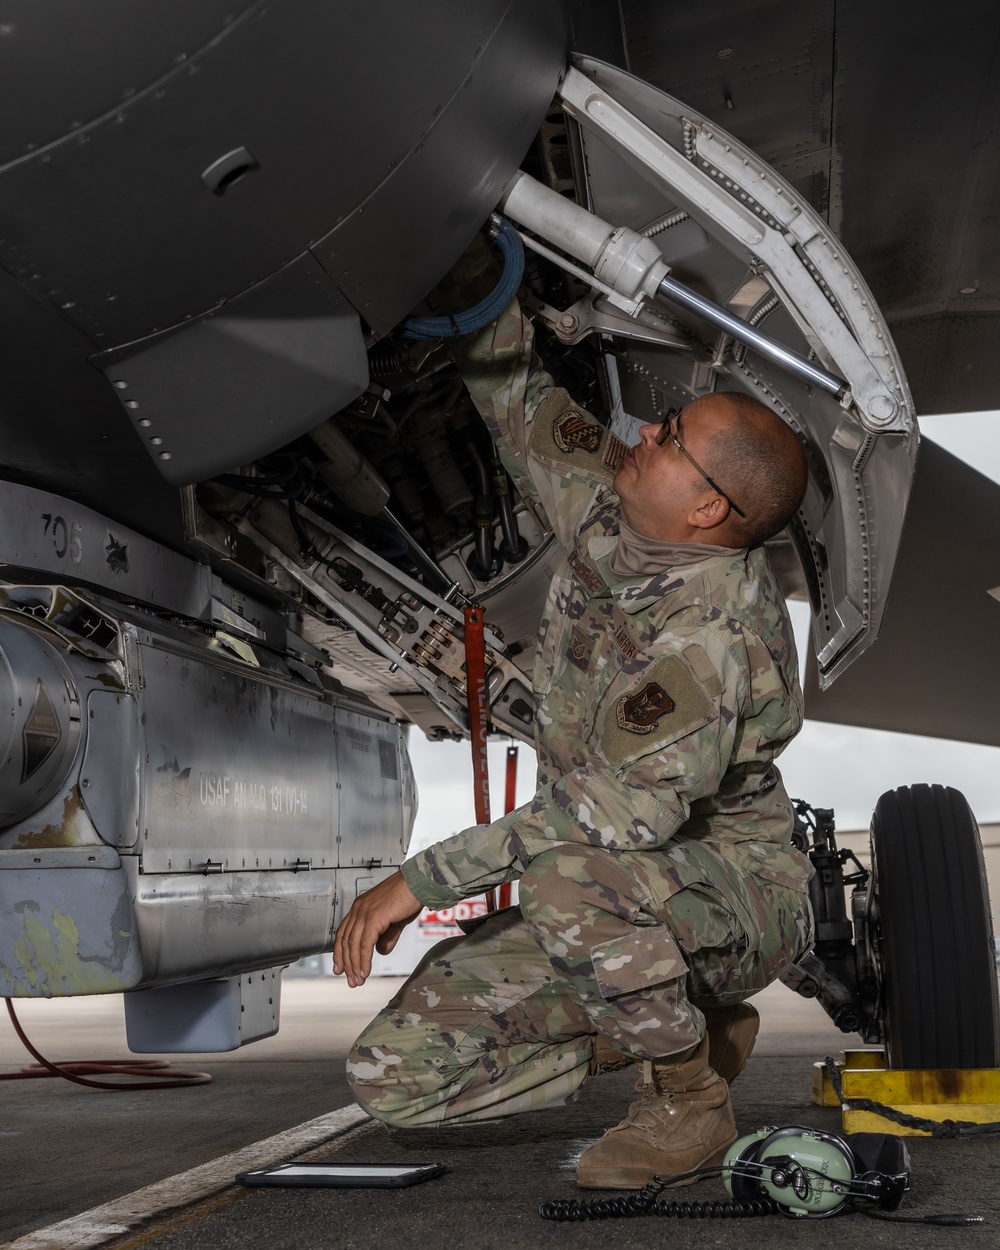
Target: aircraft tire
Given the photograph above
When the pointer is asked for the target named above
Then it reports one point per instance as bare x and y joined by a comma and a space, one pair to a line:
931, 931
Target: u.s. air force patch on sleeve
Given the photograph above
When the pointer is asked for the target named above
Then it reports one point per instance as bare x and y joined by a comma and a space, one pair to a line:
641, 712
666, 703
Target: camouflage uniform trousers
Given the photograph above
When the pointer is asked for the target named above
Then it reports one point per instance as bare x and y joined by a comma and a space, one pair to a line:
619, 945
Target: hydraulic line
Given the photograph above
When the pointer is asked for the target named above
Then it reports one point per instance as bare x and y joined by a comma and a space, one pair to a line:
487, 310
145, 1068
482, 532
513, 548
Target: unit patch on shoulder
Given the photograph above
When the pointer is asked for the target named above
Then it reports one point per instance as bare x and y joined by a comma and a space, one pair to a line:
640, 713
571, 431
667, 703
565, 437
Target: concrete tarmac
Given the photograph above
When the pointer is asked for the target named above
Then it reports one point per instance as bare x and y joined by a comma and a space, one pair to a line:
66, 1149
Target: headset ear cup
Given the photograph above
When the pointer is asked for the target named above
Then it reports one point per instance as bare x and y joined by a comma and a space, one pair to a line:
879, 1152
883, 1157
824, 1161
744, 1151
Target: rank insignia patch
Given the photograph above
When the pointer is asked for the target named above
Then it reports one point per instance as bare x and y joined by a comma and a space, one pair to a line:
640, 713
571, 431
580, 649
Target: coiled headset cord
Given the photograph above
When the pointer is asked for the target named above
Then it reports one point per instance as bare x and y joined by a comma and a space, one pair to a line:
647, 1201
570, 1209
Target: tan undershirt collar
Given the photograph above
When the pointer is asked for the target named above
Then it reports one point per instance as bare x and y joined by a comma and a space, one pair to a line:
638, 556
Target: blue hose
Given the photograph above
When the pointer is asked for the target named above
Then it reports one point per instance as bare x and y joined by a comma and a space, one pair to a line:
487, 310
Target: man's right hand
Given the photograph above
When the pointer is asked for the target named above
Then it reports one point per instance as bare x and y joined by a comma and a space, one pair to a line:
374, 922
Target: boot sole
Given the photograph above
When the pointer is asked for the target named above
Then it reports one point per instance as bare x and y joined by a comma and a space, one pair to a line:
635, 1178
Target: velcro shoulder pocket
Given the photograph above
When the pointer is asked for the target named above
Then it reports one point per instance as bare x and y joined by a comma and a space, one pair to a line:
565, 437
665, 704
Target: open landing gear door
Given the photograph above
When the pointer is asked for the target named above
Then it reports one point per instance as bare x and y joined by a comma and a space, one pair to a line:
758, 297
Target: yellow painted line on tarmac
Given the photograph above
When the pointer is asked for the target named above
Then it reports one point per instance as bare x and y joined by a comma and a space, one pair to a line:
116, 1219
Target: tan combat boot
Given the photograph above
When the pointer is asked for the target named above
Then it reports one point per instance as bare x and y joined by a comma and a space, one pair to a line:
682, 1120
732, 1032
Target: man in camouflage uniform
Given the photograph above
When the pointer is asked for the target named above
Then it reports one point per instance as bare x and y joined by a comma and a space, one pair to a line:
658, 886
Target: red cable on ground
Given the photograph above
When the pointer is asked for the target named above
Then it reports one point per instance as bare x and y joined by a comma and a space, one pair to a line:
128, 1067
510, 802
475, 694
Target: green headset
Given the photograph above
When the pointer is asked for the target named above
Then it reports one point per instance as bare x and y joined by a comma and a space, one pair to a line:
799, 1172
809, 1173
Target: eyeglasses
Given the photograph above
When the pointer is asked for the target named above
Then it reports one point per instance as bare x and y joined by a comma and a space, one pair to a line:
667, 432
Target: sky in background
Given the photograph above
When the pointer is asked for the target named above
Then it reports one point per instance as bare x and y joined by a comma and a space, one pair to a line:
828, 765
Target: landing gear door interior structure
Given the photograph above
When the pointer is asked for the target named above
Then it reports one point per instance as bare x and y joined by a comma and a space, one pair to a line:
738, 235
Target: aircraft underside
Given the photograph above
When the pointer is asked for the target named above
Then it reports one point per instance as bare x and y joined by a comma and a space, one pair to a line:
244, 503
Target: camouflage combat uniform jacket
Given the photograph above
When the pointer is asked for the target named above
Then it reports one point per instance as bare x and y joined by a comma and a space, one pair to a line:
663, 700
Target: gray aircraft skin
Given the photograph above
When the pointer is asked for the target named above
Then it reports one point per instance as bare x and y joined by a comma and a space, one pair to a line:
239, 502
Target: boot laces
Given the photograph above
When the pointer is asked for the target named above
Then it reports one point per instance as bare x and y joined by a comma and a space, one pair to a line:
652, 1105
652, 1084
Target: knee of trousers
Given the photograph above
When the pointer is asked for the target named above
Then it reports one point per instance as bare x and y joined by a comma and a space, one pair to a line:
395, 1073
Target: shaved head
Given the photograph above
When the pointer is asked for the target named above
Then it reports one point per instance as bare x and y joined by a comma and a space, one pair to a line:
762, 464
723, 470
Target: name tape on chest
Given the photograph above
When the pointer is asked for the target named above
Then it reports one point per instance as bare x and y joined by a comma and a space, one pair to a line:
624, 643
586, 573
